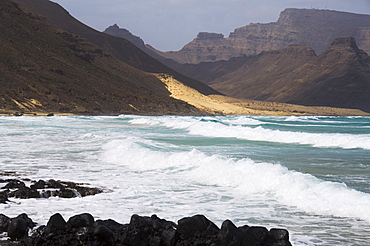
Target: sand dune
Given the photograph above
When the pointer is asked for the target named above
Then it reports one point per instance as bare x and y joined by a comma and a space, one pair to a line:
224, 105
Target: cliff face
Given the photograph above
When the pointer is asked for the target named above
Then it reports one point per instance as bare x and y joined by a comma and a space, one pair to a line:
312, 27
338, 77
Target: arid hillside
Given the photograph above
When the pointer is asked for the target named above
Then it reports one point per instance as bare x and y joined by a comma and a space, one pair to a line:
338, 77
121, 48
43, 68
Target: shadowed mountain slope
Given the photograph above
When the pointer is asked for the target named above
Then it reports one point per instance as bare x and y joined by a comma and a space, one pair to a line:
119, 47
44, 68
338, 77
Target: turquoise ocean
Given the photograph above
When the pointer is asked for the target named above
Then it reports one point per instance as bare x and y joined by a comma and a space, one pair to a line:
308, 174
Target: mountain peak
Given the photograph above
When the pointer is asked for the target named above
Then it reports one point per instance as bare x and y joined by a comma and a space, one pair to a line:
345, 42
316, 28
209, 36
115, 26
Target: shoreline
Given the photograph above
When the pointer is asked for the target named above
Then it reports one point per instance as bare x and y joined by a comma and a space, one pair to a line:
253, 109
225, 105
16, 113
141, 230
83, 229
210, 105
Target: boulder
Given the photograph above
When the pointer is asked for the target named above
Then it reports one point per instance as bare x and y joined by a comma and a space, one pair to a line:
103, 234
18, 227
279, 237
13, 184
56, 222
4, 220
229, 234
142, 231
3, 197
196, 226
80, 220
25, 193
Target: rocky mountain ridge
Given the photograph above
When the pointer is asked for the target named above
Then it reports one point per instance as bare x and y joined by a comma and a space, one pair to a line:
44, 68
312, 27
120, 48
338, 77
52, 62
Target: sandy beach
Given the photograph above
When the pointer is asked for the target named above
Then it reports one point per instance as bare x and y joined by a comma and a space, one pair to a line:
217, 104
224, 105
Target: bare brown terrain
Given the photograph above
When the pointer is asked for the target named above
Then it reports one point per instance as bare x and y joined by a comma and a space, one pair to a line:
338, 77
224, 105
120, 48
46, 69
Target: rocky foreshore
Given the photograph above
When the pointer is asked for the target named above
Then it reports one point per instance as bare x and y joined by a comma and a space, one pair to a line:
17, 188
83, 229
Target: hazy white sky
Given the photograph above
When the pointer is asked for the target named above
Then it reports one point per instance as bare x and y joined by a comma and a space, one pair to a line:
170, 24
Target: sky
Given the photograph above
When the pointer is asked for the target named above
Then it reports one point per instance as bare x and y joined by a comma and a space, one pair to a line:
170, 24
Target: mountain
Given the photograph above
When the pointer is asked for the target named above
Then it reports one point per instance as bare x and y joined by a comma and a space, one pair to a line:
338, 77
116, 31
311, 27
121, 48
46, 69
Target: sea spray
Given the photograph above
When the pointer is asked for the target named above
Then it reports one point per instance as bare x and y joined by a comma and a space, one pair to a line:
307, 174
252, 130
291, 188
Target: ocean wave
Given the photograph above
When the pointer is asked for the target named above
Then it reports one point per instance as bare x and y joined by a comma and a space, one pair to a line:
253, 130
244, 176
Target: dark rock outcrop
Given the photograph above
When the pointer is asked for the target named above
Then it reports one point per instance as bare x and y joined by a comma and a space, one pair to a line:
3, 197
116, 31
209, 36
4, 221
44, 189
82, 229
18, 227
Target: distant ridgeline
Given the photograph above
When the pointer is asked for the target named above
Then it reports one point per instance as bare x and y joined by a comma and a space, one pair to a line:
338, 77
312, 27
76, 69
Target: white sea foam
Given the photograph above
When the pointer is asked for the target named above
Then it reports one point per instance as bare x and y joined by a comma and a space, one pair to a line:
346, 141
149, 165
234, 129
291, 188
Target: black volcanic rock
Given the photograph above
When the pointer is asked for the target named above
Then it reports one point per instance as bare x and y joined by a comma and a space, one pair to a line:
44, 189
4, 221
4, 197
80, 220
18, 227
197, 226
149, 231
56, 222
25, 193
